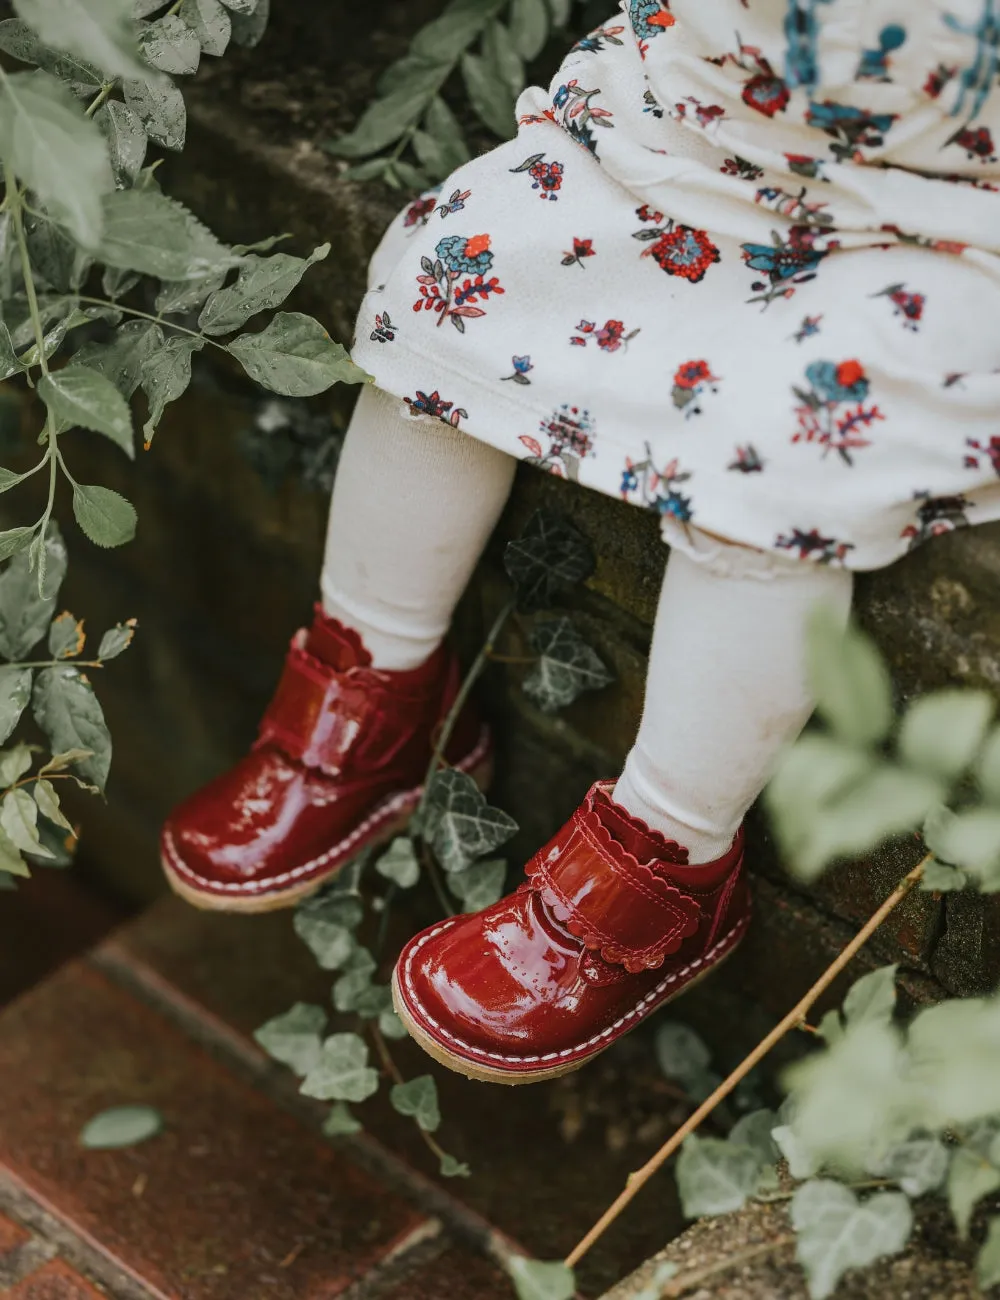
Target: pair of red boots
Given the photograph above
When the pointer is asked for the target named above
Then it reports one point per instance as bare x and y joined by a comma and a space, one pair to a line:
608, 926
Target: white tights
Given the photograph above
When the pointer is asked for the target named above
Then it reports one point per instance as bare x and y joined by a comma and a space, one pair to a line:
413, 507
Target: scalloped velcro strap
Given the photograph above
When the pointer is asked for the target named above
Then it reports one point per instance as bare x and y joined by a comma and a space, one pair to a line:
316, 714
614, 904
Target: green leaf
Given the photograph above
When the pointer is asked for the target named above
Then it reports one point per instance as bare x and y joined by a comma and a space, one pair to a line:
970, 1178
15, 540
106, 517
390, 1025
418, 1099
331, 944
831, 1028
938, 878
294, 1038
716, 1177
170, 45
755, 1131
352, 991
248, 29
14, 763
941, 733
988, 1260
452, 1168
447, 131
210, 23
11, 862
294, 356
969, 840
567, 666
25, 613
121, 1126
66, 636
919, 1165
837, 1232
560, 11
262, 284
70, 714
661, 1275
79, 396
116, 640
15, 692
683, 1056
534, 1280
165, 376
99, 31
55, 150
549, 558
127, 140
185, 295
503, 58
148, 232
47, 799
241, 6
19, 820
122, 360
988, 767
529, 21
399, 863
340, 1122
19, 41
872, 997
850, 679
342, 1072
461, 826
479, 885
161, 110
385, 120
491, 101
55, 258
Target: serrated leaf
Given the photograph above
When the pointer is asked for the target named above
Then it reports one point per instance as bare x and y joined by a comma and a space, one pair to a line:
19, 820
249, 28
529, 23
169, 45
263, 283
836, 1231
294, 1038
55, 257
399, 863
756, 1132
461, 826
161, 110
340, 1122
99, 31
116, 640
15, 692
970, 1178
66, 636
55, 150
479, 885
549, 558
121, 1126
122, 360
127, 140
210, 22
342, 1072
25, 613
988, 1259
716, 1177
70, 714
919, 1165
491, 100
148, 232
105, 516
418, 1099
79, 396
535, 1280
941, 733
294, 356
15, 540
165, 376
567, 666
872, 997
185, 295
850, 679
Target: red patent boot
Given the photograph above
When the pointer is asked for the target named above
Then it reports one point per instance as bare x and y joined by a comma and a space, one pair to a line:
608, 927
337, 768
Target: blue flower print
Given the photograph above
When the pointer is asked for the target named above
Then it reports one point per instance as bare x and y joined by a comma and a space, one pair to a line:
838, 383
522, 365
851, 128
802, 28
650, 17
874, 65
462, 256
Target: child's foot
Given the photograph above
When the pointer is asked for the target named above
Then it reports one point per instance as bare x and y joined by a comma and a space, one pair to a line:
608, 927
337, 767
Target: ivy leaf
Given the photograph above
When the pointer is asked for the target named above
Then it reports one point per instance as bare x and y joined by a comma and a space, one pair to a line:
354, 985
567, 666
872, 997
480, 885
165, 376
919, 1165
390, 1025
831, 1028
461, 826
969, 840
79, 396
716, 1177
15, 692
988, 1261
850, 679
100, 31
837, 1232
248, 29
452, 1168
127, 140
122, 360
294, 1038
330, 941
970, 1178
294, 356
106, 517
146, 231
342, 1072
47, 799
340, 1122
399, 863
25, 612
121, 1126
116, 640
210, 23
161, 110
70, 714
756, 1132
262, 284
19, 820
491, 100
418, 1099
170, 45
549, 558
66, 636
55, 150
685, 1058
942, 732
938, 878
535, 1280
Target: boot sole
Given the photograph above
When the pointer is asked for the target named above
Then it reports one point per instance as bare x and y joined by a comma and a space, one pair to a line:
403, 805
473, 1069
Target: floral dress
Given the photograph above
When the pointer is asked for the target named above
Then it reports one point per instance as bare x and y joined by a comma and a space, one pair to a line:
740, 266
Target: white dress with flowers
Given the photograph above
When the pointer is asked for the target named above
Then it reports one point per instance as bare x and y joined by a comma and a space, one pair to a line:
740, 266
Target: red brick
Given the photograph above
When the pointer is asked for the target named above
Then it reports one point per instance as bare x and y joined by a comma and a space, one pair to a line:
457, 1275
56, 1281
234, 1198
12, 1235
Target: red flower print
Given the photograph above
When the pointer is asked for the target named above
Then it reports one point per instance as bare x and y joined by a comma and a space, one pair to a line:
646, 213
609, 338
766, 93
910, 306
692, 380
850, 373
440, 290
938, 79
685, 252
693, 373
419, 211
433, 404
570, 433
581, 248
977, 143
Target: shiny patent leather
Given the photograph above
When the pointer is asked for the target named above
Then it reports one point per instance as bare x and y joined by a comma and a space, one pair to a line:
609, 925
337, 767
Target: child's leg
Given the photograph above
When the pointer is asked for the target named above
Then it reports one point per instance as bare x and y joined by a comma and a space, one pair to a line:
413, 507
726, 688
